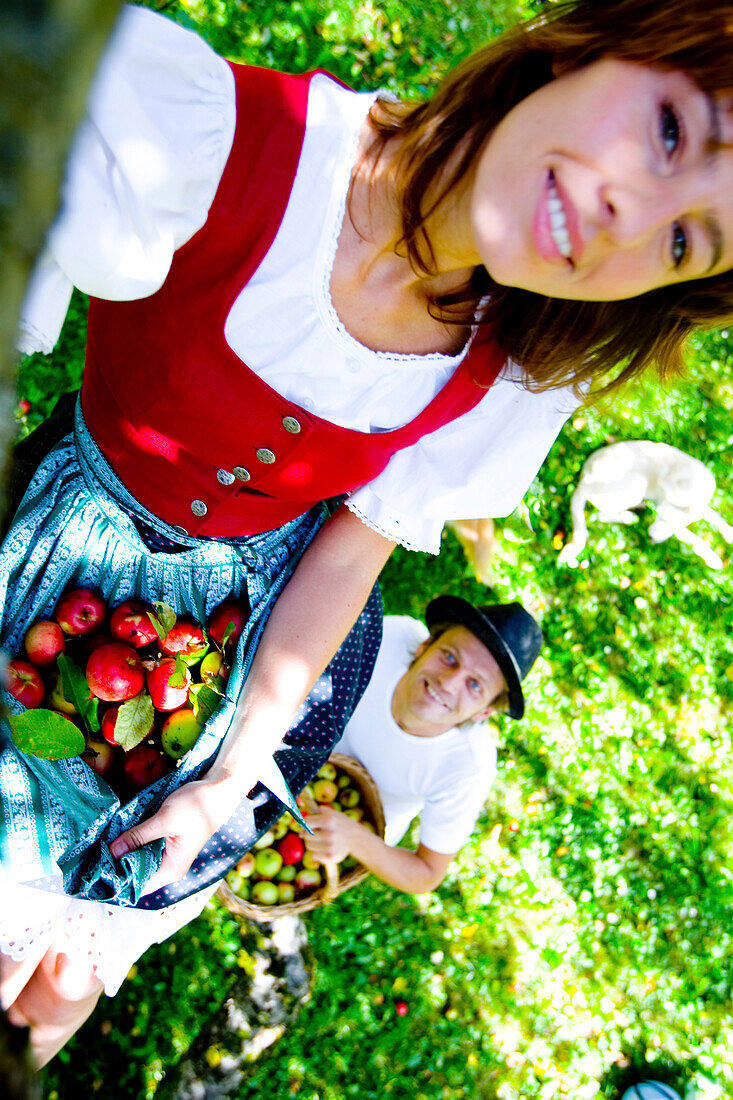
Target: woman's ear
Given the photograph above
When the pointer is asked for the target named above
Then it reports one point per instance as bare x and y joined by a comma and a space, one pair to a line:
561, 67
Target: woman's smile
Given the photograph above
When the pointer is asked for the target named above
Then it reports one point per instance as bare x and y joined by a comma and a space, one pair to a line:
555, 226
605, 183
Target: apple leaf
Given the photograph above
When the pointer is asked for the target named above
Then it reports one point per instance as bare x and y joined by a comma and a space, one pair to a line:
166, 614
46, 734
185, 660
76, 691
229, 630
206, 701
178, 677
159, 628
163, 618
134, 721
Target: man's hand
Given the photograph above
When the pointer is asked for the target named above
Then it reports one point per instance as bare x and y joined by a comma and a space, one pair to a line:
333, 835
336, 836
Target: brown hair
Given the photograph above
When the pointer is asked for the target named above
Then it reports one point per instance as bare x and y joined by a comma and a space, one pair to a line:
560, 342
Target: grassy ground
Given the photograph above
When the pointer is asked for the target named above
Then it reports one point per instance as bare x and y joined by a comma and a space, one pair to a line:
584, 934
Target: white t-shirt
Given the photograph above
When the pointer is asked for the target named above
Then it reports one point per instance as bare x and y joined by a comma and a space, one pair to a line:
143, 171
444, 779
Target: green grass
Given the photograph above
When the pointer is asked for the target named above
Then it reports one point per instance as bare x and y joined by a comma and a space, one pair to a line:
584, 934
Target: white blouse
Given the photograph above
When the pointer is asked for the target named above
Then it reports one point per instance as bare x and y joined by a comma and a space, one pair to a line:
142, 174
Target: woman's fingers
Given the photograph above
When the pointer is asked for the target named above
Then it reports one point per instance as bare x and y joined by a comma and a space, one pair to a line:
185, 821
137, 837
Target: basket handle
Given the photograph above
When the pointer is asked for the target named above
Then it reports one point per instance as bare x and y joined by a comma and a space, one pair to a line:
330, 890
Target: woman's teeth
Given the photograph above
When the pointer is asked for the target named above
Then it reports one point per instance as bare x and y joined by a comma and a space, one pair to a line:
558, 223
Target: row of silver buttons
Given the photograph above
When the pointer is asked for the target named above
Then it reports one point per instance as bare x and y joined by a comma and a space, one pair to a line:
240, 473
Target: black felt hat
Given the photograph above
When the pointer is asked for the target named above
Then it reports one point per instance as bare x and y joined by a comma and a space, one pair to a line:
509, 633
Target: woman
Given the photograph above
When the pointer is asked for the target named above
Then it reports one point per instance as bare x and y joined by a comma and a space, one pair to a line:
578, 162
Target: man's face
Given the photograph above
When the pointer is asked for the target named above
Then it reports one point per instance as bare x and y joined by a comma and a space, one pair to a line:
453, 679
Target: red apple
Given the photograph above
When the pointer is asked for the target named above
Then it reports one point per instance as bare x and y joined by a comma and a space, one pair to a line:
131, 623
80, 611
99, 756
115, 673
291, 848
183, 637
228, 612
24, 683
108, 723
307, 880
43, 643
144, 765
401, 1008
164, 695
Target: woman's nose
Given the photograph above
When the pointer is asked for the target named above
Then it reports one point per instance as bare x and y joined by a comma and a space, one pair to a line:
630, 214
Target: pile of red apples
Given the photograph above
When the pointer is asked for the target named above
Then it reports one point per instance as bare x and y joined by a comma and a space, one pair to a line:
137, 680
280, 869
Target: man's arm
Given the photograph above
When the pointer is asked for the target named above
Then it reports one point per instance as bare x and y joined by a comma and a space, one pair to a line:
336, 836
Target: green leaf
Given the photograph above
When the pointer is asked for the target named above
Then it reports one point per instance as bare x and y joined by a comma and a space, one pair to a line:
163, 618
76, 691
186, 660
206, 701
166, 614
178, 677
229, 630
46, 734
134, 721
159, 628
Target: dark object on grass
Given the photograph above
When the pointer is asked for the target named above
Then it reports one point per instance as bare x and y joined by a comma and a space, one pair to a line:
18, 1077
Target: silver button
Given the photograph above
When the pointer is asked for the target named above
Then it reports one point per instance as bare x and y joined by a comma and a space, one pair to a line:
241, 474
224, 477
180, 530
264, 454
198, 508
290, 424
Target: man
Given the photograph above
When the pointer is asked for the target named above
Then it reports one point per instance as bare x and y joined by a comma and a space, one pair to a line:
418, 731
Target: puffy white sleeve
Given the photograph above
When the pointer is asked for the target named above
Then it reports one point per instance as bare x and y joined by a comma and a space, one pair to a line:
476, 467
142, 171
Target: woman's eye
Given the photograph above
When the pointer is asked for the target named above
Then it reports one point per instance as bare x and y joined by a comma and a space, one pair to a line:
474, 686
448, 657
670, 129
679, 244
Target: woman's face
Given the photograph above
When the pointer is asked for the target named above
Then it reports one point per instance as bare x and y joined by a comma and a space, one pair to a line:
603, 184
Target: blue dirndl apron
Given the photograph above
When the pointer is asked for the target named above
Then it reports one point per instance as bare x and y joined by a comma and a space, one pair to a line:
78, 526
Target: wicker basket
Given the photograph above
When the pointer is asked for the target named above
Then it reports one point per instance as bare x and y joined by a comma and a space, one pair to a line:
334, 885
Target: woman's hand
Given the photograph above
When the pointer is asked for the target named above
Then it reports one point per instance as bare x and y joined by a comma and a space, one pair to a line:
186, 820
302, 634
